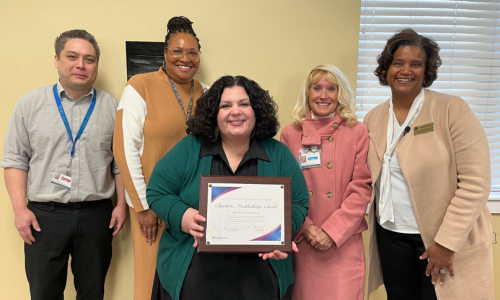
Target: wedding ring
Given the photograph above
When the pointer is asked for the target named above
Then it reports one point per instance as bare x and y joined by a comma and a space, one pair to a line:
320, 248
442, 271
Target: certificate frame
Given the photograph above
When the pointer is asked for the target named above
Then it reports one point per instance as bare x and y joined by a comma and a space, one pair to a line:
284, 246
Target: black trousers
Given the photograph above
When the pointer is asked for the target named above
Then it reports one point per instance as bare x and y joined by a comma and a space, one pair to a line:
402, 270
81, 231
226, 277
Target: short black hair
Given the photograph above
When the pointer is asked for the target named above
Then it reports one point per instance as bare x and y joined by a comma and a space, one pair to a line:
180, 24
408, 37
204, 121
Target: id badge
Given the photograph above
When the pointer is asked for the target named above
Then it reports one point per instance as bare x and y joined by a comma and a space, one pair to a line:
310, 157
61, 180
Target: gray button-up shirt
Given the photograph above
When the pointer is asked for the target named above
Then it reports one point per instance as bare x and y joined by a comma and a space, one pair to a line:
37, 142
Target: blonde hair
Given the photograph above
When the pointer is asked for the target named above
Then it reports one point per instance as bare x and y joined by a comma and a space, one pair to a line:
346, 107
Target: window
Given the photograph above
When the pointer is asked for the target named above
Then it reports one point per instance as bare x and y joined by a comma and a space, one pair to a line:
469, 37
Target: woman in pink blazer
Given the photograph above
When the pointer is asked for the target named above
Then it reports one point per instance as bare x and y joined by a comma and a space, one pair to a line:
331, 147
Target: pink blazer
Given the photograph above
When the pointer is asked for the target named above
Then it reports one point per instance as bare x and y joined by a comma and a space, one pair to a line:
340, 189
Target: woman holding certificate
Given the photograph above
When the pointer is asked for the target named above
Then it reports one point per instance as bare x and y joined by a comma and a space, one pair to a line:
331, 147
231, 135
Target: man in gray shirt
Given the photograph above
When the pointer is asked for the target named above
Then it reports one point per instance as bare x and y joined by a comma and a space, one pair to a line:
58, 155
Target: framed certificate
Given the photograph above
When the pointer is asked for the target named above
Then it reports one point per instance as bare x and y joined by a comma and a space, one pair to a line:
246, 214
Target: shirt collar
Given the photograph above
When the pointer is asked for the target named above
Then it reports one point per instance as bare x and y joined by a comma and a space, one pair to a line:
63, 94
256, 149
313, 116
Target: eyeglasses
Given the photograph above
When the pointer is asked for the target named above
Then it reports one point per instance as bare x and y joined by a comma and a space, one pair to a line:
193, 55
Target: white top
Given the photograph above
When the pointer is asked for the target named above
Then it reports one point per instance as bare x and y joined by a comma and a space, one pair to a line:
404, 217
394, 208
313, 116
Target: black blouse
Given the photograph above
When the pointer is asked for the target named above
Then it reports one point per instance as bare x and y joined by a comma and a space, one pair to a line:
248, 165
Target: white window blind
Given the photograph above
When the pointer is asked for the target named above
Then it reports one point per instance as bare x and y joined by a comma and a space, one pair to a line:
467, 33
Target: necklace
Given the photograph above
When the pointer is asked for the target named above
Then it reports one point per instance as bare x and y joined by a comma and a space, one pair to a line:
188, 115
400, 120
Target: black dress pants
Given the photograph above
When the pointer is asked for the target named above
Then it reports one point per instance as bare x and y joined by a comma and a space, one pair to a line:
80, 230
402, 269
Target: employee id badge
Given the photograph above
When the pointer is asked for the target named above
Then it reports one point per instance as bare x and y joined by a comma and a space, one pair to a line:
310, 157
61, 180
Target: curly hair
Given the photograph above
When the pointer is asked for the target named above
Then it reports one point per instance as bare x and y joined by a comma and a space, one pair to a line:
180, 24
204, 122
63, 38
346, 101
408, 37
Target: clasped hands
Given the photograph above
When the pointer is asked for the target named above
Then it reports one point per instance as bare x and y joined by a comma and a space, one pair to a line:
191, 224
317, 237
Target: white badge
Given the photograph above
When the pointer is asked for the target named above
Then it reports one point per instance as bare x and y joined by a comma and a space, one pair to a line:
310, 158
61, 180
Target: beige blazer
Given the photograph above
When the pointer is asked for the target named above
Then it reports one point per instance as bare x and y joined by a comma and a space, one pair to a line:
448, 176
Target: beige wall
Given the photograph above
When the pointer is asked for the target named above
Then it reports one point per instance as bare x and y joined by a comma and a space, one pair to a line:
273, 42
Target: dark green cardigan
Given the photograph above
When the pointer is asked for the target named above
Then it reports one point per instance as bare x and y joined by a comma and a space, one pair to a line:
174, 186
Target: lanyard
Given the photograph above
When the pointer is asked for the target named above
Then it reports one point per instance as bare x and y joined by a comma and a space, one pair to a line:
65, 120
188, 115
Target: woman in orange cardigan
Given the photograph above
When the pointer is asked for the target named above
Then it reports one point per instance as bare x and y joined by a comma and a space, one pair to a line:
150, 120
331, 147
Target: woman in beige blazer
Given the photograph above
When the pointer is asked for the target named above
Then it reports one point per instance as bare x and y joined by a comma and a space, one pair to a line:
430, 229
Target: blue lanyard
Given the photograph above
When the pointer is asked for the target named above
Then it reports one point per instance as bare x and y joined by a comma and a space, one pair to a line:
65, 120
